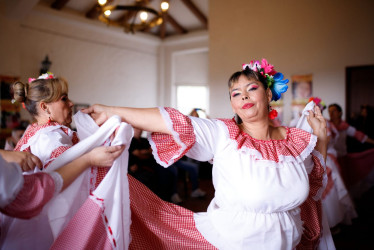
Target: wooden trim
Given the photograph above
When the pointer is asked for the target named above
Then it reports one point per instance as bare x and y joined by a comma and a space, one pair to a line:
59, 4
193, 8
175, 24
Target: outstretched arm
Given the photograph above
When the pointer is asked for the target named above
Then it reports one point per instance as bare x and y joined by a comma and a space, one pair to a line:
148, 119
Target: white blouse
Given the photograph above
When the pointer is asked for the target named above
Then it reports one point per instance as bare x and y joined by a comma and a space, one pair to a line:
259, 185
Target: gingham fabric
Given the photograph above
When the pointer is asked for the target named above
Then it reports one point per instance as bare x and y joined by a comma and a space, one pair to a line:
86, 235
58, 212
311, 209
297, 145
292, 146
37, 190
157, 224
103, 221
170, 148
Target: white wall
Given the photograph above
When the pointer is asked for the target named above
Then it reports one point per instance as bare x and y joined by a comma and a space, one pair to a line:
102, 65
182, 59
298, 37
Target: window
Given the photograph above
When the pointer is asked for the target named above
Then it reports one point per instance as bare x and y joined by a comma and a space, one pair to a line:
191, 97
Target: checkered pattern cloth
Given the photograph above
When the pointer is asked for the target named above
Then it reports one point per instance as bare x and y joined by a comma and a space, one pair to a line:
37, 190
157, 224
311, 209
293, 146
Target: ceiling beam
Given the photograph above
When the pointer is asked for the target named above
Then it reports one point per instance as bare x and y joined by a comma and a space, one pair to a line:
94, 12
59, 4
163, 26
193, 8
175, 24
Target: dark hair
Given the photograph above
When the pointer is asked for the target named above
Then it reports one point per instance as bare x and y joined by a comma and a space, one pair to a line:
250, 74
337, 106
46, 90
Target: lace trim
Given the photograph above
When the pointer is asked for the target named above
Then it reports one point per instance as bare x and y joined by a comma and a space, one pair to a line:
291, 149
58, 181
175, 136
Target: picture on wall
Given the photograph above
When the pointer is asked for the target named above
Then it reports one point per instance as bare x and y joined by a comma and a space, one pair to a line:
302, 90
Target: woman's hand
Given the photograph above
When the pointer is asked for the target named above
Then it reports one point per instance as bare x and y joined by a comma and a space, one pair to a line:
318, 123
26, 160
104, 156
100, 113
319, 126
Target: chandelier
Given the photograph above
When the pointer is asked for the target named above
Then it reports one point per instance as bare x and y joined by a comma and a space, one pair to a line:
138, 17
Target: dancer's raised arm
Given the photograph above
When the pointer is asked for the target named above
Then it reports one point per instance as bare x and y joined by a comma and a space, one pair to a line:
148, 119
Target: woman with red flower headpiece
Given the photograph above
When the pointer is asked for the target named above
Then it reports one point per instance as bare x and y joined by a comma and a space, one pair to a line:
268, 180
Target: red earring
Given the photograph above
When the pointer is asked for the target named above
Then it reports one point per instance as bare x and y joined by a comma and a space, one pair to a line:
273, 113
49, 120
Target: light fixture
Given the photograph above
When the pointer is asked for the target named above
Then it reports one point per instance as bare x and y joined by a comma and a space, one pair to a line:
138, 16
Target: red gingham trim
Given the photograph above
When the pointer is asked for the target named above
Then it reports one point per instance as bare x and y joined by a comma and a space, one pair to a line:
167, 149
311, 209
56, 153
100, 203
361, 137
86, 230
30, 132
342, 126
37, 190
298, 144
157, 224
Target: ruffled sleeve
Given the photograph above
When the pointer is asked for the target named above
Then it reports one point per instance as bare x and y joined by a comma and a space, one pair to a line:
196, 136
37, 190
48, 145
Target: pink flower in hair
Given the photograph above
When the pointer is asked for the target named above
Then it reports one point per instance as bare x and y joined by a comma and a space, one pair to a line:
267, 67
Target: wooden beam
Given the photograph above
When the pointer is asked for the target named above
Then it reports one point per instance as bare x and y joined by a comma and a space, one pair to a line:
94, 12
163, 26
175, 24
193, 8
59, 4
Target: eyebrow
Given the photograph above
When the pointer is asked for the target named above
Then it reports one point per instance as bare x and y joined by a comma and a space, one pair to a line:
245, 86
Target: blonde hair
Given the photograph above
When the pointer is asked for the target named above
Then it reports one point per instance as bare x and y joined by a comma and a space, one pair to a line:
40, 90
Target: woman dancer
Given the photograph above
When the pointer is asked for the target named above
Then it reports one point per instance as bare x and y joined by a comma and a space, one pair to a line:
46, 99
268, 180
24, 196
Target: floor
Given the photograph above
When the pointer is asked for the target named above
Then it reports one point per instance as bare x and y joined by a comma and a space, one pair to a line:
359, 235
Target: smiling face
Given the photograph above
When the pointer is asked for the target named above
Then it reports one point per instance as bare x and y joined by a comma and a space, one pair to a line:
249, 99
61, 111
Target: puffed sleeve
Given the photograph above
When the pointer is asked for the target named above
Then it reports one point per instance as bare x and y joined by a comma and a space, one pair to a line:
50, 145
193, 136
37, 190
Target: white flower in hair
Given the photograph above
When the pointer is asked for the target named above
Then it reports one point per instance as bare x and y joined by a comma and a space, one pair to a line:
48, 75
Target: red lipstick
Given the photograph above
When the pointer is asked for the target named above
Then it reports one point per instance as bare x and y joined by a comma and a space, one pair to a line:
247, 106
